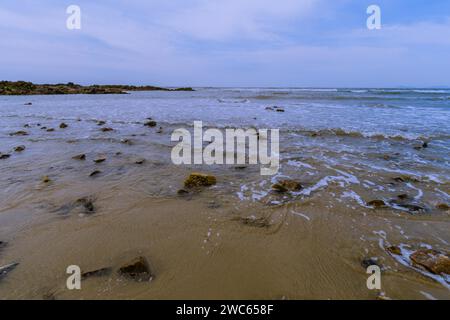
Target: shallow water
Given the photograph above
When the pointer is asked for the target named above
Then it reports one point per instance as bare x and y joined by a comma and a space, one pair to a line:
346, 147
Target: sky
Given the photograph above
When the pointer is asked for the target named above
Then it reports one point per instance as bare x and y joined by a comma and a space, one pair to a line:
227, 43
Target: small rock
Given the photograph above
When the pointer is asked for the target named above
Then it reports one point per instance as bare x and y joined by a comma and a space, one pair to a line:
287, 185
280, 110
63, 126
19, 148
403, 196
94, 173
434, 261
106, 129
182, 192
394, 250
50, 130
87, 204
376, 203
137, 270
140, 161
101, 123
126, 141
28, 104
26, 125
367, 262
96, 273
19, 133
79, 157
43, 128
199, 180
443, 206
46, 179
4, 156
150, 123
99, 159
4, 270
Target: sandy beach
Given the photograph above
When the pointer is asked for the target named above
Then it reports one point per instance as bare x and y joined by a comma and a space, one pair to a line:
372, 192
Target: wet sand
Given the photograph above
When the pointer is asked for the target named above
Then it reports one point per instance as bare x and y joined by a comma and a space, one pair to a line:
235, 240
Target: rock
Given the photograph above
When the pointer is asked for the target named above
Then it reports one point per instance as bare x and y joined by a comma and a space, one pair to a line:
199, 180
432, 260
394, 250
26, 125
63, 125
4, 270
405, 178
182, 192
106, 129
43, 128
94, 173
46, 179
376, 203
126, 141
87, 204
255, 222
4, 156
99, 159
101, 123
269, 108
28, 104
443, 206
96, 273
367, 262
19, 148
150, 123
403, 196
280, 110
50, 130
79, 157
287, 185
137, 270
139, 161
19, 133
240, 167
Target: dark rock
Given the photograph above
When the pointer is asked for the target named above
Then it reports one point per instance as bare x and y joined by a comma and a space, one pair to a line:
432, 260
182, 192
367, 262
403, 196
50, 130
87, 203
376, 203
106, 129
139, 161
4, 270
287, 185
28, 104
99, 159
4, 156
19, 148
138, 270
96, 273
46, 179
199, 180
79, 157
26, 125
394, 250
150, 123
43, 128
19, 133
280, 110
63, 126
101, 123
95, 173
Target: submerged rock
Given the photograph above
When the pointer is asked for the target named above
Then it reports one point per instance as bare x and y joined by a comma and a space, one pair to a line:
4, 270
432, 260
150, 123
106, 129
19, 133
96, 273
50, 130
19, 148
79, 157
287, 185
138, 270
101, 123
28, 104
376, 204
4, 156
87, 203
46, 179
394, 250
63, 125
199, 180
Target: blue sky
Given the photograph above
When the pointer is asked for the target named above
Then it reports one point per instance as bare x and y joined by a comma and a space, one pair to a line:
319, 43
